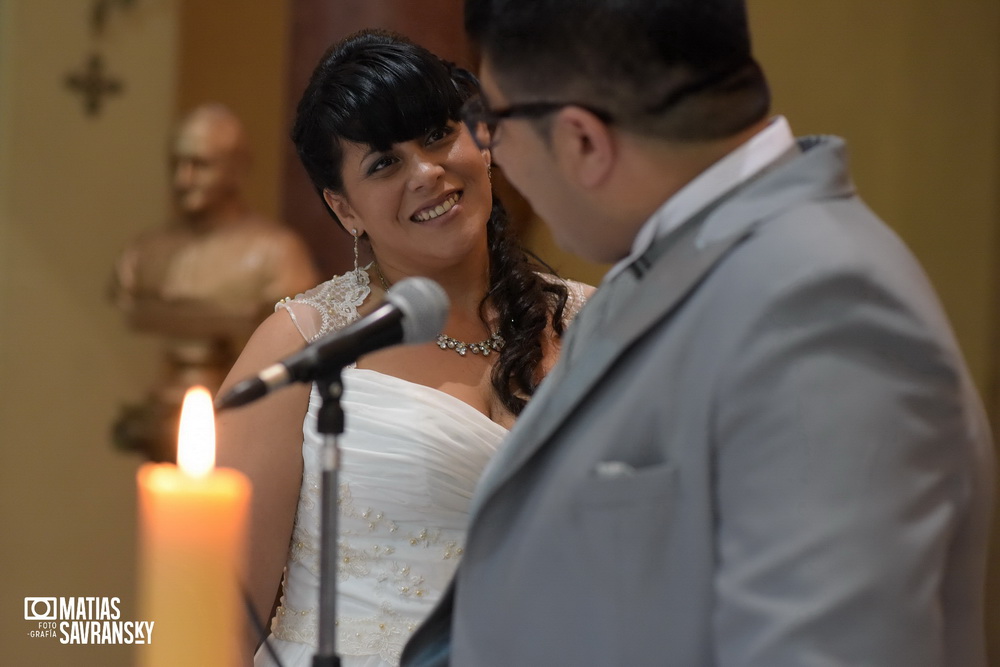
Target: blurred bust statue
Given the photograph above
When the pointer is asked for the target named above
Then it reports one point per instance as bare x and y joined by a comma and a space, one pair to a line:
207, 279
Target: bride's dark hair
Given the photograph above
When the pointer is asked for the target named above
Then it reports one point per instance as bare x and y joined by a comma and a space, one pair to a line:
377, 88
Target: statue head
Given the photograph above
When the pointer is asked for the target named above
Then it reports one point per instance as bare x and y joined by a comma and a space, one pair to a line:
210, 158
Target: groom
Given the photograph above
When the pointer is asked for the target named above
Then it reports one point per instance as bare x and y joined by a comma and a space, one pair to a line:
761, 446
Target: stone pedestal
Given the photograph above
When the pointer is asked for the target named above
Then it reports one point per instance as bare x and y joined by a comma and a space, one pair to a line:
201, 343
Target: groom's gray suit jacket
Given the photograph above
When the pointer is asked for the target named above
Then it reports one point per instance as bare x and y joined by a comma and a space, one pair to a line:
760, 447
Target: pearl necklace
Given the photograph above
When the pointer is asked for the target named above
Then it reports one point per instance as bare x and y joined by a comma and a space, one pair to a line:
486, 347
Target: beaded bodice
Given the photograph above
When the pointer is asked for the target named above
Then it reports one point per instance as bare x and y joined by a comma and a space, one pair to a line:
411, 457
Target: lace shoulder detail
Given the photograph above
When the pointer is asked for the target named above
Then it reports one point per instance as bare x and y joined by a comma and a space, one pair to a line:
329, 306
577, 295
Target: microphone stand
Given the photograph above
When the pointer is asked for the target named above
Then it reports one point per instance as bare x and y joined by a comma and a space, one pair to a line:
330, 424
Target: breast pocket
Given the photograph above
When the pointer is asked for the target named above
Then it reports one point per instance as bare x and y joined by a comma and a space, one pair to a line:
625, 515
625, 524
615, 484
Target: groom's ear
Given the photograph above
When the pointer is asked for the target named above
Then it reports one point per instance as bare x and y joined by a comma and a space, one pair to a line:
584, 146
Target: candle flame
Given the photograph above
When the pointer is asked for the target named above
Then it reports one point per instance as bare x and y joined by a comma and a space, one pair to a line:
196, 437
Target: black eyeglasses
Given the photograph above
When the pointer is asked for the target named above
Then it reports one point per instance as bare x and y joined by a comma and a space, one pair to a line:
482, 121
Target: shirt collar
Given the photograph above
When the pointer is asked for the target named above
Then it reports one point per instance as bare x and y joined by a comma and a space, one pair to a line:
738, 166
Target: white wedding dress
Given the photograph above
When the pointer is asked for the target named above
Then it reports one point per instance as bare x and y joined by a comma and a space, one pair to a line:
411, 456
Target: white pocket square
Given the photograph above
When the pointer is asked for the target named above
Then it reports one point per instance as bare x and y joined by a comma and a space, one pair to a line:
612, 469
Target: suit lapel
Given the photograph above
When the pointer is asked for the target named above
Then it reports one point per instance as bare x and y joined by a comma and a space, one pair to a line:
670, 270
576, 375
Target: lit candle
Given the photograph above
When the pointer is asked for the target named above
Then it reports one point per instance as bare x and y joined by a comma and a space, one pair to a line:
192, 546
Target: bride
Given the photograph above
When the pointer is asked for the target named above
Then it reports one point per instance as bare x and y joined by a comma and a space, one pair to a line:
378, 129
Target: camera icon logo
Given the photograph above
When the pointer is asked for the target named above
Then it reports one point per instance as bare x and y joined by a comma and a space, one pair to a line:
40, 609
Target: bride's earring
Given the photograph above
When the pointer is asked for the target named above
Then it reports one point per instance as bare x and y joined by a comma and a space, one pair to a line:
489, 163
357, 267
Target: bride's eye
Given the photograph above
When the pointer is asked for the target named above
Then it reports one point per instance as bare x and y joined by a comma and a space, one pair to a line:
381, 163
439, 133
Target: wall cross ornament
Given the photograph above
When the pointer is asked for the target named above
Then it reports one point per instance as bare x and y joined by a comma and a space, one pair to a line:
93, 83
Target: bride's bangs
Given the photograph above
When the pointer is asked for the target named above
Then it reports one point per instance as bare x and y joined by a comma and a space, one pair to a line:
395, 99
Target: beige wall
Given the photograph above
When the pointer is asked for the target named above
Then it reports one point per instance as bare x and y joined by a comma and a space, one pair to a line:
914, 86
74, 188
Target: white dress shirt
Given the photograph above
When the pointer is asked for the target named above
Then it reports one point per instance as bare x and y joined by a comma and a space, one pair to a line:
738, 166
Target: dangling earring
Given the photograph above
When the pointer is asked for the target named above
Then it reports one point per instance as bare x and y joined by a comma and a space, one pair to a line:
489, 171
357, 267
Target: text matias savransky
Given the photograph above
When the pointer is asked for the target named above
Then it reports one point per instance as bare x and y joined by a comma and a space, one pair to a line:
84, 620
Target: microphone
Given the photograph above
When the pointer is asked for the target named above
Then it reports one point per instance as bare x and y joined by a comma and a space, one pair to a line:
414, 311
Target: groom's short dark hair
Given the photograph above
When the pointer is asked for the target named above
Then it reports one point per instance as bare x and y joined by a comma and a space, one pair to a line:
677, 69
